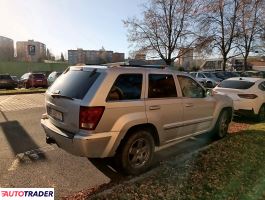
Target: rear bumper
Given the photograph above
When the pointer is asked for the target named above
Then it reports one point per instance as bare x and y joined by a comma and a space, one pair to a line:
97, 145
246, 106
244, 112
36, 84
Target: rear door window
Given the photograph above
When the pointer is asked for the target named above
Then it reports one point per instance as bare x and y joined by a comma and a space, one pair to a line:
236, 84
74, 84
126, 87
161, 86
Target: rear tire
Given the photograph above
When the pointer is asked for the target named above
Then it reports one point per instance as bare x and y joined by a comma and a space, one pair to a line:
261, 115
209, 85
26, 86
135, 153
221, 127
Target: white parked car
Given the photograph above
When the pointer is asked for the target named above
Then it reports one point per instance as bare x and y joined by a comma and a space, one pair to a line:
247, 93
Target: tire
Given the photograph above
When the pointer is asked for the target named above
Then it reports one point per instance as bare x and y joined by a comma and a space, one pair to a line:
209, 85
135, 153
26, 86
221, 127
261, 115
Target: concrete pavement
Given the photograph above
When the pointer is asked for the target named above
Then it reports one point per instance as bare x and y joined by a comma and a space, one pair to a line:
25, 158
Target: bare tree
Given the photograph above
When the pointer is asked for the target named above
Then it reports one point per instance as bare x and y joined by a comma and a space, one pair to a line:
166, 27
218, 22
249, 26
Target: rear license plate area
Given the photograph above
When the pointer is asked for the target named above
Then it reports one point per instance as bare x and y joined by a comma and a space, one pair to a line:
55, 114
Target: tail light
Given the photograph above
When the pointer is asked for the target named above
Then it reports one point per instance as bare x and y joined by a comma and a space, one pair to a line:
248, 96
89, 117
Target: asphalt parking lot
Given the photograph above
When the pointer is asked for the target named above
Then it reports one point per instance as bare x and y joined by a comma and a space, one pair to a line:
27, 161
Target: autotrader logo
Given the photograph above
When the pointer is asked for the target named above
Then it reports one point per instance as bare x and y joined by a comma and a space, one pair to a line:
26, 193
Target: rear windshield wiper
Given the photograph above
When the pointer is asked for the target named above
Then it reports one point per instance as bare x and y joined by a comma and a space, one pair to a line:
61, 96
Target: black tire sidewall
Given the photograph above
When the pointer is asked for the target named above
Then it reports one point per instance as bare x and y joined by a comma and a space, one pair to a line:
259, 115
122, 155
217, 126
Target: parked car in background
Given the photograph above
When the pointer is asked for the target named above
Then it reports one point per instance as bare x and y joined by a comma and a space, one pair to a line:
53, 76
29, 80
209, 79
6, 82
124, 112
201, 80
220, 75
254, 74
16, 79
225, 74
247, 93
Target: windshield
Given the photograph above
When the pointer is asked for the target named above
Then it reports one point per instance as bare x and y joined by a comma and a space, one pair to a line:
74, 84
6, 77
38, 76
236, 84
209, 75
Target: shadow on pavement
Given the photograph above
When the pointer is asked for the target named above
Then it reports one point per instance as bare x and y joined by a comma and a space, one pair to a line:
107, 167
20, 141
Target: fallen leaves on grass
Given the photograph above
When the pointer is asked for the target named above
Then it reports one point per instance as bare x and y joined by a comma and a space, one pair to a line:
233, 168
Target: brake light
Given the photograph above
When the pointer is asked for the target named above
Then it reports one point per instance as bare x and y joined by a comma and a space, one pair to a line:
248, 96
89, 117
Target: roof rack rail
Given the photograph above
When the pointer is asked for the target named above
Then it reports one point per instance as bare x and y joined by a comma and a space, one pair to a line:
146, 66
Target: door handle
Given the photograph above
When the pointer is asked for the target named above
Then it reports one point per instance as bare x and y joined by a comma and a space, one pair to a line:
188, 105
155, 107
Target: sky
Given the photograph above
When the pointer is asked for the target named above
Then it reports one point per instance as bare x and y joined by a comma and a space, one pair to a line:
69, 24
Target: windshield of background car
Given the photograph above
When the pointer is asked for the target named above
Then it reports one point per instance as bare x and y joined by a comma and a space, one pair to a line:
74, 84
235, 84
193, 75
209, 75
41, 76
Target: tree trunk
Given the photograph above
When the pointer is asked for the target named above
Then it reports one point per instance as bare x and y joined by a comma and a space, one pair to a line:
245, 64
168, 62
224, 64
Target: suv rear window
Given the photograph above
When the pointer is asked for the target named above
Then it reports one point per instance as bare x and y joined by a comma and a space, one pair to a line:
234, 84
74, 84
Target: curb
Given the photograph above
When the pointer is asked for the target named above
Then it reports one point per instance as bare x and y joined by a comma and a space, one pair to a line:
15, 93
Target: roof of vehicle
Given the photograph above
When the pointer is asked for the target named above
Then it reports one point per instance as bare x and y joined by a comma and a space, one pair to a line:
250, 79
252, 71
129, 69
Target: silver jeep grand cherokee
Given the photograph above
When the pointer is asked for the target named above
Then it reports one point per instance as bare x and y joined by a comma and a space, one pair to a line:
124, 112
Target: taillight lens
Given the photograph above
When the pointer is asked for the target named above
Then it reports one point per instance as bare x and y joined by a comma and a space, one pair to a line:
248, 96
90, 116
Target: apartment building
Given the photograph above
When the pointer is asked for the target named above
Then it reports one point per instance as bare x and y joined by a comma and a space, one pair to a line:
6, 49
30, 51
